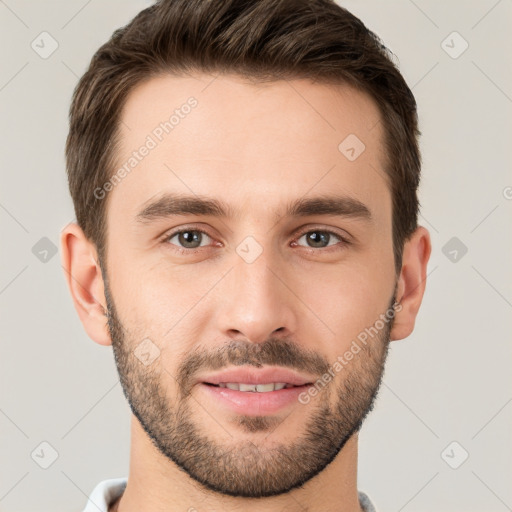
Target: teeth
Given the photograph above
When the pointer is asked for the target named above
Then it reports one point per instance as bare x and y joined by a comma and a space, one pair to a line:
260, 388
247, 387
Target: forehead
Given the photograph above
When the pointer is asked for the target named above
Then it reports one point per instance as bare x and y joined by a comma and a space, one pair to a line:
248, 144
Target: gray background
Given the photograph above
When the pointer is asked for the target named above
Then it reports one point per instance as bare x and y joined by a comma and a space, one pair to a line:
448, 382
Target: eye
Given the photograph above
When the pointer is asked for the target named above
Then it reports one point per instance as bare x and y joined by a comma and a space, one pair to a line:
322, 238
187, 238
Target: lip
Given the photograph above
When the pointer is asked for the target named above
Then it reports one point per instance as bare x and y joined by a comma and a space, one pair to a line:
253, 403
257, 376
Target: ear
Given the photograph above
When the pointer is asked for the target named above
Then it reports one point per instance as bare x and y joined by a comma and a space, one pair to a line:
83, 275
411, 283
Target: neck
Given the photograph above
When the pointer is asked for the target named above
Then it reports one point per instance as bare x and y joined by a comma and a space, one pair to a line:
156, 484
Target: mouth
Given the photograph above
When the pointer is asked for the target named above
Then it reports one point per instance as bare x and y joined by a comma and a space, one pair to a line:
253, 399
254, 391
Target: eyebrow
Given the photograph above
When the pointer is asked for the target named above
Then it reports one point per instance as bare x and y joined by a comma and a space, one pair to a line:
171, 204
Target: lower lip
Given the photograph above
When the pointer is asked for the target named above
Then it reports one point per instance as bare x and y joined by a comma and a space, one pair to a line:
253, 403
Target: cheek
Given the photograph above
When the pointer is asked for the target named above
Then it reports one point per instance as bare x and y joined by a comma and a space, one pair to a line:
346, 301
161, 301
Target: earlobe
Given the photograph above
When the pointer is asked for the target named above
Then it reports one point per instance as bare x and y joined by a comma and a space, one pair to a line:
85, 282
411, 282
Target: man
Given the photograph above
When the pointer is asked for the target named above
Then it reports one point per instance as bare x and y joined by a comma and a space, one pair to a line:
244, 176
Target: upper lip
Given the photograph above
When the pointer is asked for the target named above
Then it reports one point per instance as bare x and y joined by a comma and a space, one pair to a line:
257, 376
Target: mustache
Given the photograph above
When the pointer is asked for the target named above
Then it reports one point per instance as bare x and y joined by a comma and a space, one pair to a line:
273, 352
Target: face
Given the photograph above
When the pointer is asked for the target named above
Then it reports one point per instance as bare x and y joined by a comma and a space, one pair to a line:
246, 237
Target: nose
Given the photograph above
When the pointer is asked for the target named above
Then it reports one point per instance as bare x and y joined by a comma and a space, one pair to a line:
256, 301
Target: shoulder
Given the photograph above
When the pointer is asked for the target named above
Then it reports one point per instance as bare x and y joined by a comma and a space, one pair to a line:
366, 503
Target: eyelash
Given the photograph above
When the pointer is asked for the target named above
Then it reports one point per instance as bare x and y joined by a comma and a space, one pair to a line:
182, 250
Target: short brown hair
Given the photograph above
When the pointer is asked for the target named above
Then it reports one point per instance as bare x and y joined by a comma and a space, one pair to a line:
263, 40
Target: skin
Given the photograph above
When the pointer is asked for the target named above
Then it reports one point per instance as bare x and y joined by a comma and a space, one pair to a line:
256, 148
